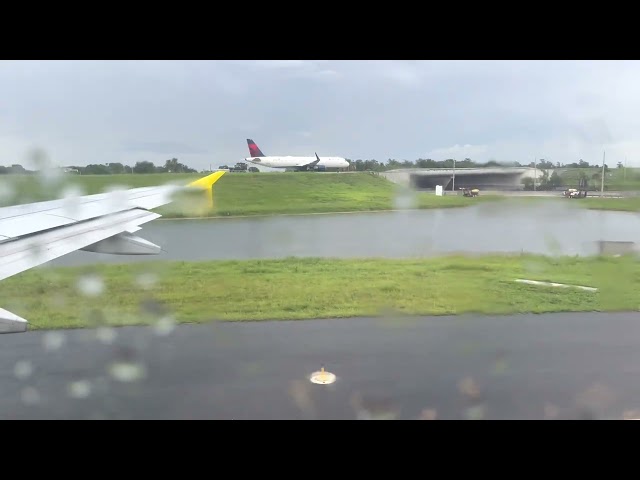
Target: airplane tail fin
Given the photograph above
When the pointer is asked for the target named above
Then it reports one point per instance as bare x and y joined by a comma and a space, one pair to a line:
254, 150
206, 183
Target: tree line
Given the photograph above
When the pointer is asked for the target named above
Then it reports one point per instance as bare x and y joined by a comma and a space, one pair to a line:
392, 164
174, 166
170, 166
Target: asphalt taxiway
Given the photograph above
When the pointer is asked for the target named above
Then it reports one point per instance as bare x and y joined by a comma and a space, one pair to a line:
556, 366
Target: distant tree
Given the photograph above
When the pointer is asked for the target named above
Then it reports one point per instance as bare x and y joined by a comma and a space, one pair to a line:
174, 166
116, 168
555, 180
96, 169
17, 168
144, 167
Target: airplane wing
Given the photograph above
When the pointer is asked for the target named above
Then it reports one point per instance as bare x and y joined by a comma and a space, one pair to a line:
36, 233
311, 164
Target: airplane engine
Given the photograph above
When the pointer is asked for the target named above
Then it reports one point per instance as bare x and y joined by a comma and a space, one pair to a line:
124, 244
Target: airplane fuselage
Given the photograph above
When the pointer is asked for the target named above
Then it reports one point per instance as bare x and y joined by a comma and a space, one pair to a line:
298, 162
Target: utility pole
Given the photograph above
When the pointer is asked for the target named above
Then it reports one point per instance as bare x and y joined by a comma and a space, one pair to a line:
624, 172
453, 186
602, 181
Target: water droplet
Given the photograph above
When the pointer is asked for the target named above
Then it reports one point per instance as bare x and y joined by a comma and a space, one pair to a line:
118, 198
37, 249
7, 192
127, 371
79, 389
106, 335
39, 158
52, 340
428, 414
469, 388
164, 326
551, 412
146, 280
475, 413
405, 199
71, 203
49, 175
72, 192
631, 415
29, 396
153, 307
22, 369
91, 285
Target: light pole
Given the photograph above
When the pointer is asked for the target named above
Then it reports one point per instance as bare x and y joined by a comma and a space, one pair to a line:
602, 180
453, 186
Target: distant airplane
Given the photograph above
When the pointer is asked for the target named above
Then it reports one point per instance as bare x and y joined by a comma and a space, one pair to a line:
296, 163
36, 233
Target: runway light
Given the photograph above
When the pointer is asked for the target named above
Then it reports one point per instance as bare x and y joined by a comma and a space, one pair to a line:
322, 377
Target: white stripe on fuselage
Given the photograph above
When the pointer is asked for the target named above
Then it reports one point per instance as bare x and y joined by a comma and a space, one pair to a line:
292, 162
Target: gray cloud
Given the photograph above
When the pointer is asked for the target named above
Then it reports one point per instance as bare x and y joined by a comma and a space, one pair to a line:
84, 112
165, 148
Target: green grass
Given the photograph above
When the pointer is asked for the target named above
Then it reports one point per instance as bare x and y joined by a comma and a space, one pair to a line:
631, 204
315, 288
239, 194
257, 194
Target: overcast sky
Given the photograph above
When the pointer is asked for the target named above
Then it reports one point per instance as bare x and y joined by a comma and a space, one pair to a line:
202, 112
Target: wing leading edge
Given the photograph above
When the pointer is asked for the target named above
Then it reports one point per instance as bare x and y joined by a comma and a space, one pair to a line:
34, 234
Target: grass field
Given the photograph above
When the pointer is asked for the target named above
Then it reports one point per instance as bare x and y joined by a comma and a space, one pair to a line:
314, 288
258, 194
237, 194
631, 204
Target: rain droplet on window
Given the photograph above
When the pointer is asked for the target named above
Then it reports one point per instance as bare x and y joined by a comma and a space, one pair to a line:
119, 197
29, 396
90, 285
53, 340
22, 369
127, 371
428, 414
106, 335
146, 281
7, 193
164, 326
475, 413
79, 389
70, 199
469, 388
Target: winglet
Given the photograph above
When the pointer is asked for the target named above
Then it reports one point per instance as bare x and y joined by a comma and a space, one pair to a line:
317, 157
207, 182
